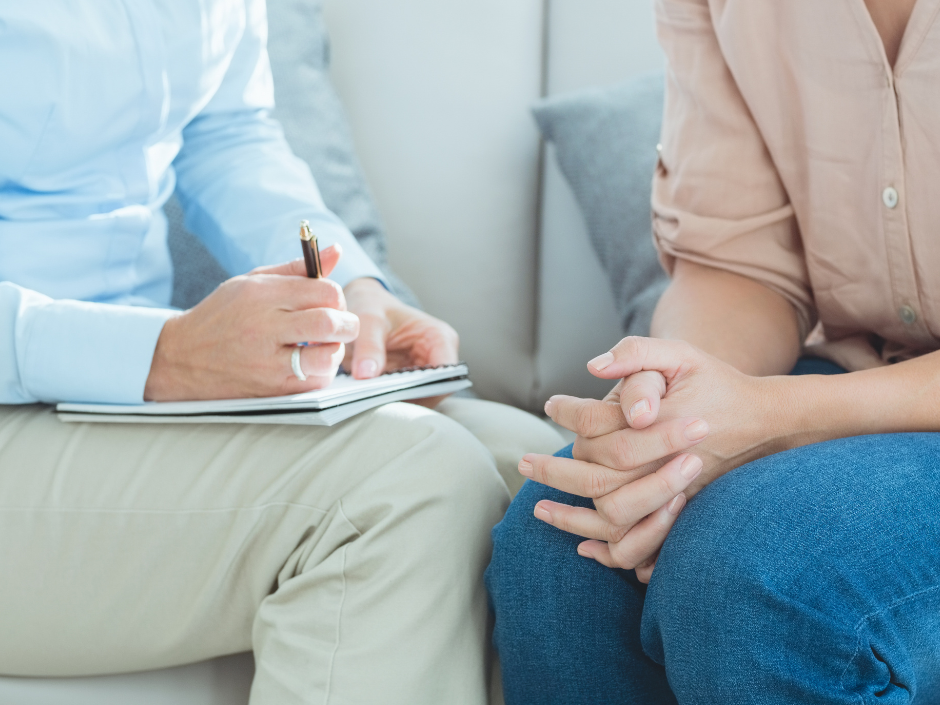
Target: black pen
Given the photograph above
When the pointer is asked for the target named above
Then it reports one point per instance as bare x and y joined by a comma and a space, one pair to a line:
308, 243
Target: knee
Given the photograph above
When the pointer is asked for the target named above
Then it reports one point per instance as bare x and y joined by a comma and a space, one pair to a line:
773, 553
530, 556
703, 614
446, 470
507, 432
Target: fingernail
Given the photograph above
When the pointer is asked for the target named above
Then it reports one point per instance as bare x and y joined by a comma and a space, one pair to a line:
676, 505
542, 513
584, 553
690, 467
696, 431
638, 409
367, 368
548, 408
602, 361
525, 468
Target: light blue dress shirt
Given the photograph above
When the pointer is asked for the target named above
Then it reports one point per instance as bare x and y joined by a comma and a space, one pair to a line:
106, 108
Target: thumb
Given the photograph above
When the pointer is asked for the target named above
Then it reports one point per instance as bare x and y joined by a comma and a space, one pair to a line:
329, 258
368, 358
634, 354
640, 395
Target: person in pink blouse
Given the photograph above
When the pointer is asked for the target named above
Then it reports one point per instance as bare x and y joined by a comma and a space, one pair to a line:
796, 206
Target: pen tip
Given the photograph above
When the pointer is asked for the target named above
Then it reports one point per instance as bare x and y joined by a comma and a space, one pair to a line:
305, 233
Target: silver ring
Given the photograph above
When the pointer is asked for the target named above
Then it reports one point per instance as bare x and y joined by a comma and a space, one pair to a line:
295, 364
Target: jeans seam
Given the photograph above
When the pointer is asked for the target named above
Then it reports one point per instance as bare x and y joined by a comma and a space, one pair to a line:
861, 623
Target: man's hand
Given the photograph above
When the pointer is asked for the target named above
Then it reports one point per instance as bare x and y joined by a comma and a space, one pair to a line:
393, 335
239, 340
633, 435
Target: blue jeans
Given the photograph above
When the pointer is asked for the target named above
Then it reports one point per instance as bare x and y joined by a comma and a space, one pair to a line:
810, 576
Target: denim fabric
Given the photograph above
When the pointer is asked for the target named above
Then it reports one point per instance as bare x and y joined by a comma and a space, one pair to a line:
810, 576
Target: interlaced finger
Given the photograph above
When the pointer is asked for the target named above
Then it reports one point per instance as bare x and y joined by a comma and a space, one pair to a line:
630, 449
647, 537
640, 395
574, 476
578, 520
588, 418
629, 504
638, 545
644, 571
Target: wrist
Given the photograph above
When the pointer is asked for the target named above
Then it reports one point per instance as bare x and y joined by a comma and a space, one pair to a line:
807, 410
364, 284
163, 379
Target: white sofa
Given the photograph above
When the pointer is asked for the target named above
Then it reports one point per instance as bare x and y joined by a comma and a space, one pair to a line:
480, 225
480, 222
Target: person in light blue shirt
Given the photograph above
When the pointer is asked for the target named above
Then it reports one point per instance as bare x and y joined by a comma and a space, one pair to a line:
94, 143
134, 547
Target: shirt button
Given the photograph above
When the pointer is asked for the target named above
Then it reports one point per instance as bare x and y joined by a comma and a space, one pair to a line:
890, 197
907, 314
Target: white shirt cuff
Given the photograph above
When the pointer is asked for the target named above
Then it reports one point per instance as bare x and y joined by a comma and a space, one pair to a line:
78, 351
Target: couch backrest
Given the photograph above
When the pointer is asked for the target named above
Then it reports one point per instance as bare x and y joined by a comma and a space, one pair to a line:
590, 43
438, 93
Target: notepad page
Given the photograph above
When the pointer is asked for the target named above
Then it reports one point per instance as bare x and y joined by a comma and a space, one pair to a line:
344, 389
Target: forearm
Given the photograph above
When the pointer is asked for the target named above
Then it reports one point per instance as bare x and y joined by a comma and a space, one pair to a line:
734, 318
244, 193
899, 398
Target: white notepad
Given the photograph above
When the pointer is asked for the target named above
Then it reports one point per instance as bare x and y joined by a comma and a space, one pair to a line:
344, 398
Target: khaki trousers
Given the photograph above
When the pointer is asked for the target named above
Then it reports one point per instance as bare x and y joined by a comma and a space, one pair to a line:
348, 558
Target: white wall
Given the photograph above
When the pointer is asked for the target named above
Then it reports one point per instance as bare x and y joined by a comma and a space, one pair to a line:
590, 43
598, 42
438, 94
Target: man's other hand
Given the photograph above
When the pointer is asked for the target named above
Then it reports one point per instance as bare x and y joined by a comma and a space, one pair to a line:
393, 335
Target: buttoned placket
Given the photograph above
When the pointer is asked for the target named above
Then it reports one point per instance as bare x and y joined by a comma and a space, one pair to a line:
896, 228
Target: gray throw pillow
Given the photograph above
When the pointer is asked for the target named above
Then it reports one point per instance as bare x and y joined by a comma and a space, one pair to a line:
605, 140
317, 130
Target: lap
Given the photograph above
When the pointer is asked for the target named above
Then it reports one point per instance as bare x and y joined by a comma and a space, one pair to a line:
859, 493
813, 559
138, 546
191, 467
823, 561
567, 628
856, 493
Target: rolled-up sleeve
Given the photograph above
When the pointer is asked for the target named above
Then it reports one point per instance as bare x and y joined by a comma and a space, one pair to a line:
717, 197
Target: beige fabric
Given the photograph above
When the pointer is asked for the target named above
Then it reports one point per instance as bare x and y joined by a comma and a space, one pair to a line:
507, 432
784, 126
349, 558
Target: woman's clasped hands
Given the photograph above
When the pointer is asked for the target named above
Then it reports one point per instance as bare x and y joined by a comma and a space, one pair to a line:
677, 420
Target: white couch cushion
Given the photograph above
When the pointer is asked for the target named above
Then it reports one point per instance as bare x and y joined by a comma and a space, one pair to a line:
590, 43
438, 96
